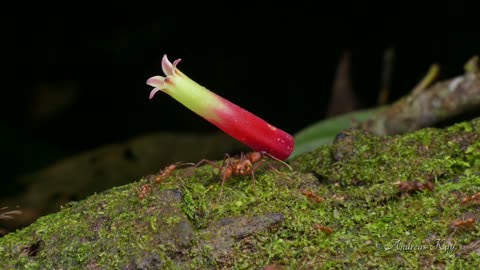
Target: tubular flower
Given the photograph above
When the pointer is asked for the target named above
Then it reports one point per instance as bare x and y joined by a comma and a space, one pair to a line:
232, 119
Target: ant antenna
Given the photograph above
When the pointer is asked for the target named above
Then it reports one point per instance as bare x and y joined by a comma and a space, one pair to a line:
281, 161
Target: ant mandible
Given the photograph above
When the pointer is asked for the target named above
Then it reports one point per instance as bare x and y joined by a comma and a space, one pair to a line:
247, 164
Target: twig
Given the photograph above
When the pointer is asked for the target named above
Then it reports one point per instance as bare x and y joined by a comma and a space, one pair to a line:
427, 106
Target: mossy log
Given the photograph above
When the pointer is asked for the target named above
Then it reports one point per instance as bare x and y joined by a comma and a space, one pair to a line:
402, 201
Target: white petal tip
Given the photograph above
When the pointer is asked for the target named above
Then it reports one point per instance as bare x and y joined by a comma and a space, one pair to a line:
153, 92
167, 66
156, 81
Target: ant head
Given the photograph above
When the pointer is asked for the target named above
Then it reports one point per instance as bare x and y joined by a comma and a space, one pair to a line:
227, 173
428, 185
255, 156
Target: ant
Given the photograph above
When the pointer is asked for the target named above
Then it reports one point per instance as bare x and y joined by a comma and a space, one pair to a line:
247, 164
414, 186
475, 199
144, 190
165, 173
462, 224
311, 195
323, 228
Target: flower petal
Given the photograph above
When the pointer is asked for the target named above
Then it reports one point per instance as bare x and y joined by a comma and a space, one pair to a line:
167, 67
175, 63
153, 92
156, 81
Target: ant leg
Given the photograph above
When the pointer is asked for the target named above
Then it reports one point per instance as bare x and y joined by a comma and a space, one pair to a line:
274, 158
275, 169
253, 178
271, 167
227, 160
255, 167
212, 163
209, 162
258, 164
180, 163
221, 191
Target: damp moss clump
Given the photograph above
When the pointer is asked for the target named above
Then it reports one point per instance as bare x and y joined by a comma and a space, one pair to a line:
358, 203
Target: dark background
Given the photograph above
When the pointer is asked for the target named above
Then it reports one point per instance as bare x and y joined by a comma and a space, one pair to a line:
74, 76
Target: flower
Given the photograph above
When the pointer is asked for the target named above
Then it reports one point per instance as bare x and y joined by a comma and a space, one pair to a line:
232, 119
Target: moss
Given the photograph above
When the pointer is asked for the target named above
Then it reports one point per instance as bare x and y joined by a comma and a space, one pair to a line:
360, 220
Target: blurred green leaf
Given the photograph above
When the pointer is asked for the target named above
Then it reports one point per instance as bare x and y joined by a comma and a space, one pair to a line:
323, 132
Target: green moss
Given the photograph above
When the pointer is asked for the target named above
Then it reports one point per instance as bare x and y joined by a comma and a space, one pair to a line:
183, 224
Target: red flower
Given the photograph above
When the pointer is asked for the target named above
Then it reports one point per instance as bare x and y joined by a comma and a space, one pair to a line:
232, 119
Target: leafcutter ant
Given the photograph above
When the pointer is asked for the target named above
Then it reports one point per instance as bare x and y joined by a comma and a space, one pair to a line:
462, 224
144, 190
247, 164
311, 195
165, 173
323, 228
414, 186
474, 199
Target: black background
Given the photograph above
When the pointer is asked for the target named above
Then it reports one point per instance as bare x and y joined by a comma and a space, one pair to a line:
278, 62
